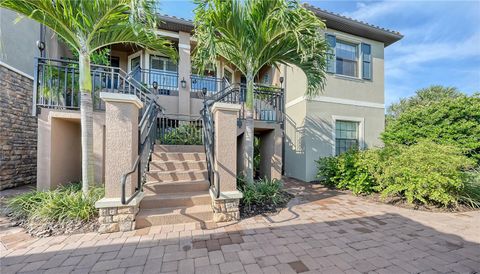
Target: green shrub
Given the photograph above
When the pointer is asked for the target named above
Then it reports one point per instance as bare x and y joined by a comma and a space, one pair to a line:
426, 173
187, 134
470, 193
328, 170
264, 191
353, 170
62, 204
451, 121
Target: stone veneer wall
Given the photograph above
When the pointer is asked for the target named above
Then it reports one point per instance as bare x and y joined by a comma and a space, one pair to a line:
18, 130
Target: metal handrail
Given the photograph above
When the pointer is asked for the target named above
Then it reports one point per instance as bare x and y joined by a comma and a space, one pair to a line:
146, 138
265, 96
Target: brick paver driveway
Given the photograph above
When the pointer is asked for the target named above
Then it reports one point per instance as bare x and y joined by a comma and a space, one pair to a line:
322, 231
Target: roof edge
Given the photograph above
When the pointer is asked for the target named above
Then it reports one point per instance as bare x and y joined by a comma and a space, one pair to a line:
356, 27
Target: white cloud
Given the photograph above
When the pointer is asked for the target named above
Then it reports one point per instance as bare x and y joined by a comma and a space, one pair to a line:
371, 11
403, 58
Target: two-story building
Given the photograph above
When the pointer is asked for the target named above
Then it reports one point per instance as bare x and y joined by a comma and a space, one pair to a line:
180, 183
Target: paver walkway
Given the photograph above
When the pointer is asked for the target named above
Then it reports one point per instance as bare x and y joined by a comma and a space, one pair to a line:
322, 231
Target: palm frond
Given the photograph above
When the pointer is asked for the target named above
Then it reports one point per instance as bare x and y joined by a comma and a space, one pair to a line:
252, 34
88, 25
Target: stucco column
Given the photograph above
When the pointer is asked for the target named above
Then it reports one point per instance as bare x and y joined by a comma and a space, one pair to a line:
121, 151
184, 71
271, 154
225, 207
121, 142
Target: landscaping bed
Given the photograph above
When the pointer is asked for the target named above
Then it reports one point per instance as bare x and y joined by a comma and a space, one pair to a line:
430, 159
64, 210
262, 197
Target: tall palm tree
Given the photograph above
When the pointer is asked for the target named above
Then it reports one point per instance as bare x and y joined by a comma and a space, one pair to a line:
251, 34
89, 25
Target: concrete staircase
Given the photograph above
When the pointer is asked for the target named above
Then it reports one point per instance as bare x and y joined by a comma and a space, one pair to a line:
177, 187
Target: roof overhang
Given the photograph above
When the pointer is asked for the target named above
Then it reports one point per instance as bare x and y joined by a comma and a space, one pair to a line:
332, 20
358, 28
175, 24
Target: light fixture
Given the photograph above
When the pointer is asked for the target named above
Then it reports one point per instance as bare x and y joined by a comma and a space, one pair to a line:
41, 45
155, 85
184, 83
281, 80
204, 91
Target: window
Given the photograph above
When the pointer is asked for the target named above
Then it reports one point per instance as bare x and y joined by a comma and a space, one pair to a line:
367, 61
346, 59
346, 136
135, 62
227, 74
162, 63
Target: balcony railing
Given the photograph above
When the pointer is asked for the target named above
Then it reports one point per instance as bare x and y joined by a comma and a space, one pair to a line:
208, 84
57, 84
162, 82
267, 105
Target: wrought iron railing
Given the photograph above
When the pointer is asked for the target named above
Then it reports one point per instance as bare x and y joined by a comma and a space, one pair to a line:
56, 84
178, 129
209, 145
268, 106
206, 85
147, 136
159, 81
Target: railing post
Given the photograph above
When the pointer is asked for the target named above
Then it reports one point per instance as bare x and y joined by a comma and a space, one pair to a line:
35, 88
225, 204
121, 151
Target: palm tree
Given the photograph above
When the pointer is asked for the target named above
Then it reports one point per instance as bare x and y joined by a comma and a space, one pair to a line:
251, 34
87, 26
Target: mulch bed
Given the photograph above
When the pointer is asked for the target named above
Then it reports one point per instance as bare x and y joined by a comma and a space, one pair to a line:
38, 228
265, 208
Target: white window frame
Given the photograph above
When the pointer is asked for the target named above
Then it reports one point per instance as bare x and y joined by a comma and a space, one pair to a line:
229, 70
148, 53
134, 55
358, 43
361, 130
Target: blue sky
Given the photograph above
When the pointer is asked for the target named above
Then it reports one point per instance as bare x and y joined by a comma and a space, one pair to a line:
441, 44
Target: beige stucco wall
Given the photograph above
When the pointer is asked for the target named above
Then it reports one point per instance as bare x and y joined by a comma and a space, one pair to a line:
59, 148
309, 121
294, 141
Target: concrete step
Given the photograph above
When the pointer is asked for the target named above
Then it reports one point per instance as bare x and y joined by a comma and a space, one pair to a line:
175, 187
173, 215
177, 165
175, 200
175, 176
175, 156
179, 148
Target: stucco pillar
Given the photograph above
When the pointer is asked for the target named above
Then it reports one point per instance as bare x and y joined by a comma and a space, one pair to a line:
225, 207
184, 71
271, 154
121, 151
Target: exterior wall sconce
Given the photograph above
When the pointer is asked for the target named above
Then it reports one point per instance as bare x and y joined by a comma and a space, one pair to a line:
155, 85
204, 91
281, 80
183, 83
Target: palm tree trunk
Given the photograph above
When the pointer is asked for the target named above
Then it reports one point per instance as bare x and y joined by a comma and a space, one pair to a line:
86, 114
249, 130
